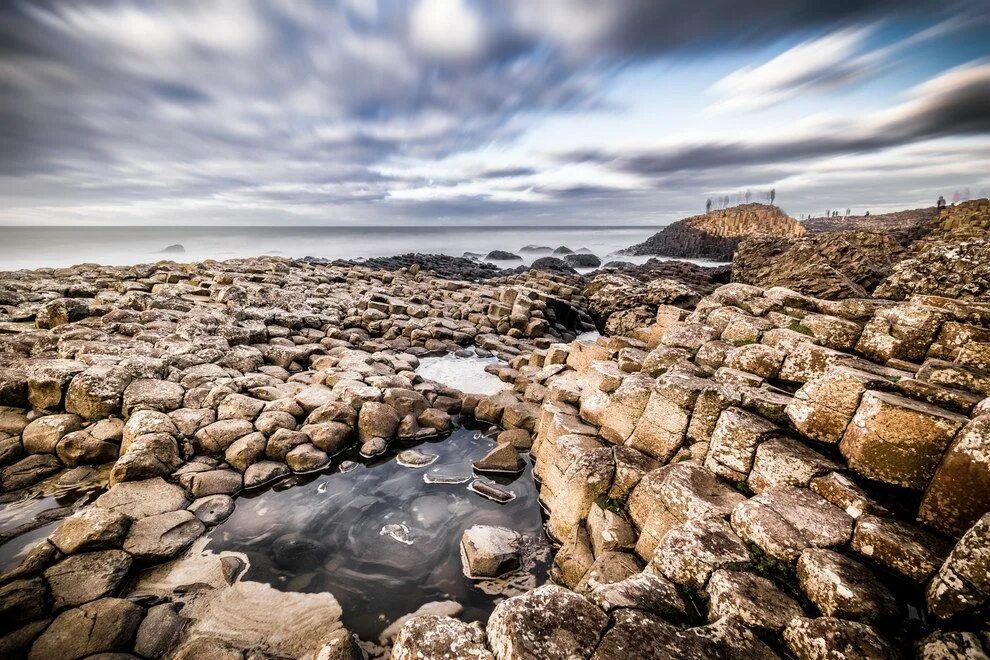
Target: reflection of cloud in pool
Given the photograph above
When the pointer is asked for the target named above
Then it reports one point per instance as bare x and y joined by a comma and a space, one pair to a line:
391, 534
466, 374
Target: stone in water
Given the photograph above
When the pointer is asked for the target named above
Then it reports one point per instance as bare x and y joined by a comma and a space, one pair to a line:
491, 491
413, 458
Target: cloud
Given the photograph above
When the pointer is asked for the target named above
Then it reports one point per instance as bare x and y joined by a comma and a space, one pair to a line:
822, 64
954, 103
359, 110
827, 61
656, 26
447, 29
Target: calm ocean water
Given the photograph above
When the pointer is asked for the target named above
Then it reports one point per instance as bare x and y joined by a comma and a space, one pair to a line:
37, 247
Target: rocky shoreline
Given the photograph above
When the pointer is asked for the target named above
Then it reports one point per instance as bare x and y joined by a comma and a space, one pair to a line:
729, 470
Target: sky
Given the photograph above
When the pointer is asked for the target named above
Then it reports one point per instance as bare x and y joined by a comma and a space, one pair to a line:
498, 112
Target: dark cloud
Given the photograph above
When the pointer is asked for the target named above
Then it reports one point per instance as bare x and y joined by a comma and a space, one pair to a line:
651, 26
507, 172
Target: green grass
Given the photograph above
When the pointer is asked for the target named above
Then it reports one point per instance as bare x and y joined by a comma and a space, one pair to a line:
769, 567
611, 504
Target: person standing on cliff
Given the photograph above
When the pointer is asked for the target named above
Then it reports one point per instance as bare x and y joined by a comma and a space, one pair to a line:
940, 203
708, 205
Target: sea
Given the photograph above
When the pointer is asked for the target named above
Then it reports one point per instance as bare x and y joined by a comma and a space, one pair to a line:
58, 247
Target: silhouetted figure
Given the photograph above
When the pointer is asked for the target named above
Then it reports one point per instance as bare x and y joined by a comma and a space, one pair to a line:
749, 195
773, 195
708, 205
941, 202
867, 214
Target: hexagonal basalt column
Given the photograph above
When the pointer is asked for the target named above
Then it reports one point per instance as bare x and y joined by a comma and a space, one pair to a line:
898, 441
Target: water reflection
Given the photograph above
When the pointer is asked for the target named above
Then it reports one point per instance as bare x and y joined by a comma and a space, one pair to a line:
380, 537
466, 374
30, 516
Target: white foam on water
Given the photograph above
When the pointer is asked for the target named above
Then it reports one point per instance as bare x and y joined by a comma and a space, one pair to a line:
398, 532
466, 374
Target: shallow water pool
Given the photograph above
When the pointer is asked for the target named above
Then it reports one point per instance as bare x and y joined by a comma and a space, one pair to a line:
36, 512
381, 539
466, 374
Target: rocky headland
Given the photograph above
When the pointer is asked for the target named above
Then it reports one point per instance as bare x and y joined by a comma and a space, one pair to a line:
729, 470
715, 235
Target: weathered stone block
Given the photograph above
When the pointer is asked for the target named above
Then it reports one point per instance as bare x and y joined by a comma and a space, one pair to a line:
734, 441
625, 408
674, 494
959, 493
691, 552
752, 599
784, 522
661, 429
759, 359
963, 582
831, 331
786, 462
824, 406
902, 331
897, 440
900, 547
548, 622
827, 638
841, 587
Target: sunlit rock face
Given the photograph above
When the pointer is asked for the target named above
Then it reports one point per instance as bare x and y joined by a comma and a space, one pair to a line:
715, 235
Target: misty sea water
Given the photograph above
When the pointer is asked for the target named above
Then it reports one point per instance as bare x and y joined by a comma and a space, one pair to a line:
58, 247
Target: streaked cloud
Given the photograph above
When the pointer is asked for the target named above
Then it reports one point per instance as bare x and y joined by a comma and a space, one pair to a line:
953, 104
234, 111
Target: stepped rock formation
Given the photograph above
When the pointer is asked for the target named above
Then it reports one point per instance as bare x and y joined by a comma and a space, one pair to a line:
796, 466
620, 302
965, 220
953, 259
960, 269
903, 225
834, 265
715, 235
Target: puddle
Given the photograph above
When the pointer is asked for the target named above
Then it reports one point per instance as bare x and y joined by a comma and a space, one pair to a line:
31, 518
466, 374
384, 539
